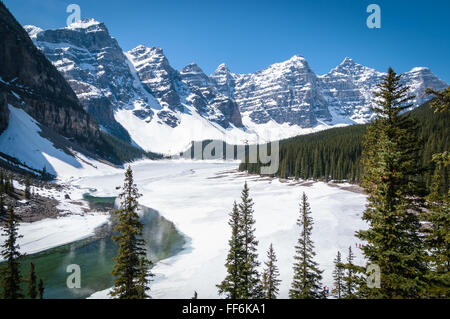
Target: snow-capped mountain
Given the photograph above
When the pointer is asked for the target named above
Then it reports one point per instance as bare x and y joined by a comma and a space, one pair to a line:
95, 67
286, 92
138, 96
348, 88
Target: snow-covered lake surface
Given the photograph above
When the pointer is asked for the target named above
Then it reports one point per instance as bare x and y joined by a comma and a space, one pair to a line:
198, 196
53, 232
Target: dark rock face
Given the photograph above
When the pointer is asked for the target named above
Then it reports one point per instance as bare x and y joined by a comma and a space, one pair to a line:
45, 94
155, 72
4, 112
286, 92
207, 99
95, 67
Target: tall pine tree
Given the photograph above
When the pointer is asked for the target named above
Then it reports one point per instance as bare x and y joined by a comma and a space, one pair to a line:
437, 231
390, 178
270, 281
32, 284
27, 192
438, 216
307, 276
11, 277
41, 289
132, 257
351, 280
251, 284
338, 277
231, 286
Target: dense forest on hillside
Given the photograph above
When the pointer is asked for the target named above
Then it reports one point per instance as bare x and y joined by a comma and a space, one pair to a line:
335, 154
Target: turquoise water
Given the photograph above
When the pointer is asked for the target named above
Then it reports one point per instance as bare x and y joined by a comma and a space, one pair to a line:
95, 257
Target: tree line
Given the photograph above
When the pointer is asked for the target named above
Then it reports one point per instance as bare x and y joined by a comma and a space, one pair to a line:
335, 154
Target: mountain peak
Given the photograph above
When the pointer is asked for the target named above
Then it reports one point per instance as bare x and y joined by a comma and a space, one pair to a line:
86, 24
32, 30
420, 69
222, 68
297, 57
191, 68
347, 62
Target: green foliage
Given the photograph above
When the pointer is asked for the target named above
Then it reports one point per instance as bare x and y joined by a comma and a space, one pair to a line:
32, 285
335, 154
338, 277
242, 280
307, 276
441, 102
27, 192
270, 281
251, 284
11, 277
131, 265
231, 285
41, 289
352, 282
391, 180
437, 233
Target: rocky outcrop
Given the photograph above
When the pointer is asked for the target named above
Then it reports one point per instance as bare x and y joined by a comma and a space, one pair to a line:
45, 95
95, 67
4, 112
208, 100
349, 88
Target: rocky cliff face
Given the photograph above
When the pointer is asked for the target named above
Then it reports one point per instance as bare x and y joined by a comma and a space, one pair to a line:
283, 100
349, 88
95, 67
4, 112
208, 100
30, 81
286, 92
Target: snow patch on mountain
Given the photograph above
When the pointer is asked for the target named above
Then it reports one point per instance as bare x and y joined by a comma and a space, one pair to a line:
23, 141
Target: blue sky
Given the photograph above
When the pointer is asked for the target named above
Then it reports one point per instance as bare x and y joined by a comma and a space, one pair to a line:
250, 35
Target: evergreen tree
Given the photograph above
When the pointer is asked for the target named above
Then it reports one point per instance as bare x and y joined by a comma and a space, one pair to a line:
231, 286
350, 279
132, 254
338, 276
41, 289
307, 276
251, 284
11, 277
11, 184
441, 102
32, 285
27, 193
142, 278
438, 233
7, 184
270, 281
390, 178
2, 204
438, 217
2, 182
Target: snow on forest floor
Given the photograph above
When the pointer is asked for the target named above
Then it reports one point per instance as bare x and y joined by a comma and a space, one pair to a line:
198, 196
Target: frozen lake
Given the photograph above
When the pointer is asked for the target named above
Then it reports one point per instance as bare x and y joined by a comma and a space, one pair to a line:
198, 196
